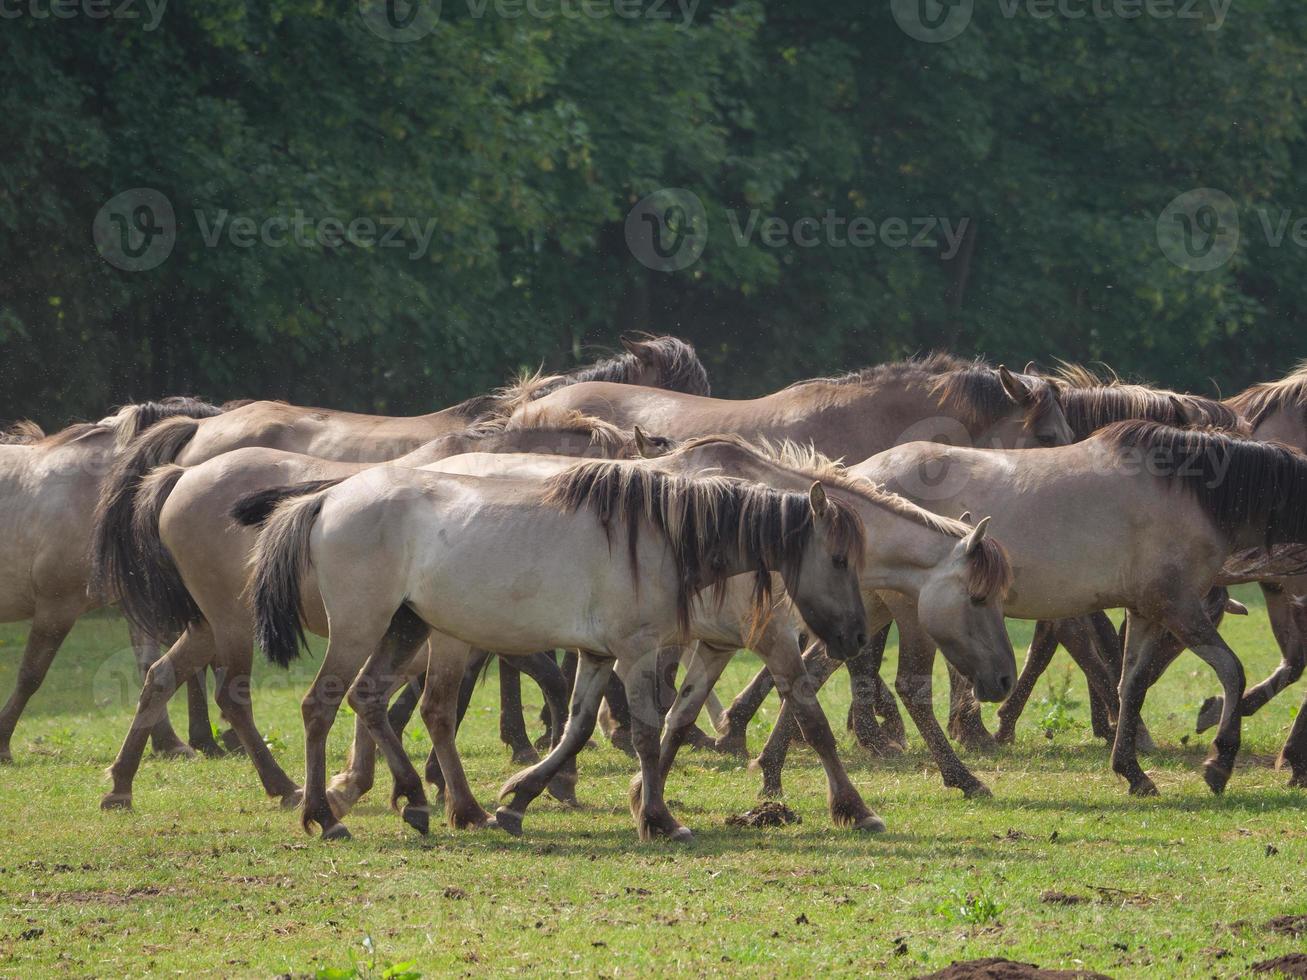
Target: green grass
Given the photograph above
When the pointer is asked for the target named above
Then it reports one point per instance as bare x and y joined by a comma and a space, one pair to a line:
207, 876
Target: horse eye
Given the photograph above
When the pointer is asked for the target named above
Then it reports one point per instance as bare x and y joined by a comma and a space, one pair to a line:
1047, 440
977, 600
841, 561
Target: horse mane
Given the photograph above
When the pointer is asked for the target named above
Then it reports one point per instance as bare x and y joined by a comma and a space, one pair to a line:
971, 389
990, 571
1268, 397
134, 419
698, 517
24, 432
1091, 400
548, 420
1241, 483
679, 367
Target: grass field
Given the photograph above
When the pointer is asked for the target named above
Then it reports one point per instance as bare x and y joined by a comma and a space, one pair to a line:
207, 876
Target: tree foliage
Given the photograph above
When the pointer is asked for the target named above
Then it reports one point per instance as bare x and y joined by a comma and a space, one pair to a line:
521, 135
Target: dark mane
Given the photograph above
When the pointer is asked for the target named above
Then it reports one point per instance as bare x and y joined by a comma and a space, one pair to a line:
971, 390
1244, 485
990, 571
24, 432
1269, 397
548, 424
134, 419
677, 366
1091, 401
700, 518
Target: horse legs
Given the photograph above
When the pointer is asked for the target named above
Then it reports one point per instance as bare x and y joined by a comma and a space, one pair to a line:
162, 737
349, 785
913, 684
964, 720
615, 716
543, 669
642, 677
1040, 654
512, 726
1196, 631
735, 720
199, 731
592, 675
368, 696
194, 649
771, 760
1294, 753
1288, 618
232, 695
50, 625
445, 667
871, 696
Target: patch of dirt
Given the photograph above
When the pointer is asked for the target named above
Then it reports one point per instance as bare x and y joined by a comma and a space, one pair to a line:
997, 968
1288, 925
768, 814
107, 897
1062, 898
1293, 965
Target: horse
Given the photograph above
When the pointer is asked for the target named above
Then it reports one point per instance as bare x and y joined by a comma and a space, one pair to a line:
956, 576
389, 551
1141, 516
180, 566
853, 416
48, 490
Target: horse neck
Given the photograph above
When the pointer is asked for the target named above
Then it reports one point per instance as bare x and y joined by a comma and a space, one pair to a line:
901, 552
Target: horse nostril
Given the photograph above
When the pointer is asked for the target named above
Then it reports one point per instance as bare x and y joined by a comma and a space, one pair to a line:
862, 640
1006, 682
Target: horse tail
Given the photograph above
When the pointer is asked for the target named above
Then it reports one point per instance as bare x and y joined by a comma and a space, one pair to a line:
254, 509
281, 559
114, 558
155, 599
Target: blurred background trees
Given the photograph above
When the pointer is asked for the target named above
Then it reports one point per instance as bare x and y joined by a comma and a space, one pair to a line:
521, 137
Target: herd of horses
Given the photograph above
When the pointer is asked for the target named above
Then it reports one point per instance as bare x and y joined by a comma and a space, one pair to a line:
621, 514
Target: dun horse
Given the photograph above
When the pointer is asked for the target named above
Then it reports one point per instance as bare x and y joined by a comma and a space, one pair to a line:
48, 490
437, 531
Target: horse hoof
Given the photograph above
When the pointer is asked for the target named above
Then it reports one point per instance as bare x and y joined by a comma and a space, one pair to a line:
209, 749
417, 817
1143, 787
977, 791
1298, 781
6, 757
563, 789
771, 791
1005, 736
1216, 778
509, 821
730, 745
337, 831
682, 835
116, 801
621, 739
1209, 714
525, 756
870, 824
292, 800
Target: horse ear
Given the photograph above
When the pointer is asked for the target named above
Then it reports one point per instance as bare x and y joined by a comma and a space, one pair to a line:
631, 344
1030, 368
1181, 412
645, 447
817, 497
966, 517
972, 542
1015, 387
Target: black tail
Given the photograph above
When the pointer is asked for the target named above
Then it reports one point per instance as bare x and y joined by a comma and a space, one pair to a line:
114, 557
254, 509
154, 599
280, 560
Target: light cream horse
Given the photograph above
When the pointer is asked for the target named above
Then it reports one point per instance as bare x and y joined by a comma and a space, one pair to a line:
956, 577
391, 552
1140, 516
181, 565
48, 490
